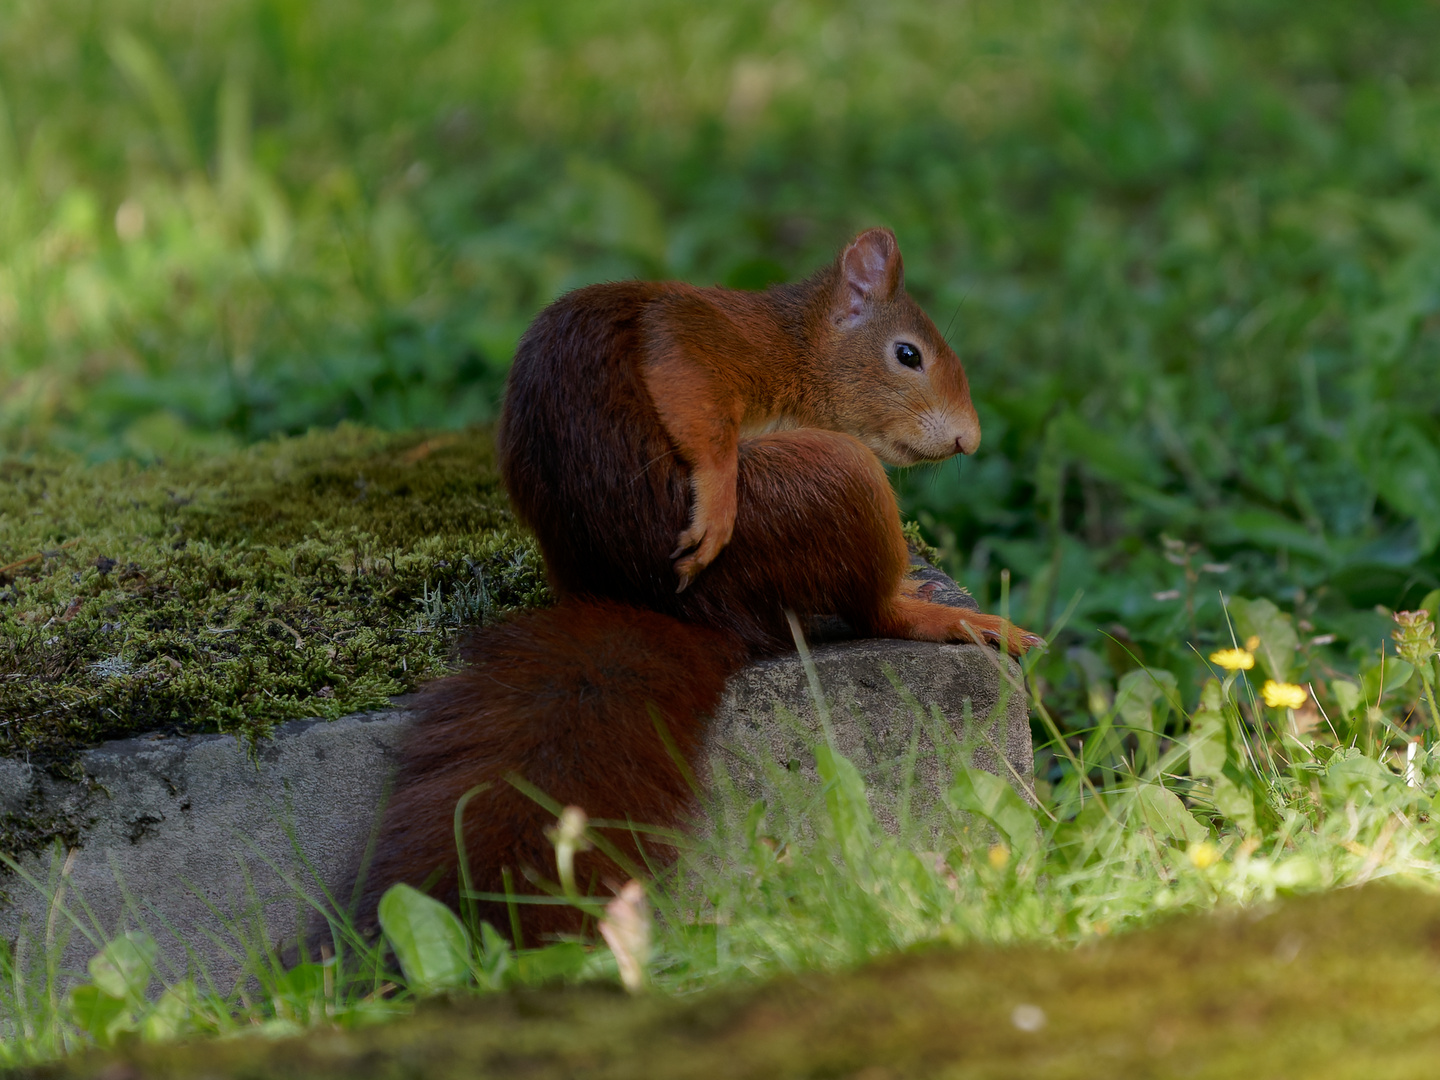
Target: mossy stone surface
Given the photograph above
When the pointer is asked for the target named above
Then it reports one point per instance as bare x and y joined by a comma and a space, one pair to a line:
312, 576
1345, 984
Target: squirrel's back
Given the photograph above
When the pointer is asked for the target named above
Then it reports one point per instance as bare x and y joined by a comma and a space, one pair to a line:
583, 454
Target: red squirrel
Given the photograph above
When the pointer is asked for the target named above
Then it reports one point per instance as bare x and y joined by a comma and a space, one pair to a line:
694, 462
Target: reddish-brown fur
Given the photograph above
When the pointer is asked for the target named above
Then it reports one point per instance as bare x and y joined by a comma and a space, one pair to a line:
608, 481
562, 697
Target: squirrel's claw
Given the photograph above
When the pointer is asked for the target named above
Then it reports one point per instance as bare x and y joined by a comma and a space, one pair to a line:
690, 566
689, 557
1021, 641
1017, 642
690, 541
698, 546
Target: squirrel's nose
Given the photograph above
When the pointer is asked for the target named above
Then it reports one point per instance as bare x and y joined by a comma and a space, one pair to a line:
968, 439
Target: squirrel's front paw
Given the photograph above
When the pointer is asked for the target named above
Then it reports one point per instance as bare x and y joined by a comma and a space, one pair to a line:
992, 630
696, 550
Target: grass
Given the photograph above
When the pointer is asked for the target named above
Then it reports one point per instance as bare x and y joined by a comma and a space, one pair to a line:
1219, 997
1187, 251
807, 880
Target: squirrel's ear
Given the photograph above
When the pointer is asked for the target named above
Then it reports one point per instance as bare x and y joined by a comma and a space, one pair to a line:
870, 271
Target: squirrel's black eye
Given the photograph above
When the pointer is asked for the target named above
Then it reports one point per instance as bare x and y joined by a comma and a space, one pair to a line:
907, 354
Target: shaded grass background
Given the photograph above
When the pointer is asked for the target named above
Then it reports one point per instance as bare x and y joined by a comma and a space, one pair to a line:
1188, 251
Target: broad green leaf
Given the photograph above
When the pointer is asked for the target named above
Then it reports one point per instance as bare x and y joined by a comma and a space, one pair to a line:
845, 800
1236, 802
1143, 703
429, 940
1208, 743
1359, 777
1347, 696
1144, 696
554, 963
123, 968
1214, 757
93, 1010
1381, 680
302, 983
978, 792
1207, 752
1212, 697
1276, 631
496, 956
1431, 603
1166, 815
170, 1015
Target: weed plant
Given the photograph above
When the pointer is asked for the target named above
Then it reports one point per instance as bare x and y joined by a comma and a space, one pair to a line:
1248, 804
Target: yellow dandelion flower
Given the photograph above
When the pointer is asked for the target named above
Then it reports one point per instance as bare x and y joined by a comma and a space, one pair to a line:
1252, 642
999, 856
1234, 659
1203, 855
1283, 695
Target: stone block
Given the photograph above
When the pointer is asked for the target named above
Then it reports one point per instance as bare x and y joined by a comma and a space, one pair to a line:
193, 837
898, 710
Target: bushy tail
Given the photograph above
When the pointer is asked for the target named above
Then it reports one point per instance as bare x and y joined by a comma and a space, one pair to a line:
565, 698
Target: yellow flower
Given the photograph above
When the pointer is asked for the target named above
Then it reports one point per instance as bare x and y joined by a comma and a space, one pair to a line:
999, 856
1203, 855
1283, 695
1234, 659
1252, 642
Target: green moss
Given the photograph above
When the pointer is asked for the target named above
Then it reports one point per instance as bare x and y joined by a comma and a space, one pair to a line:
916, 539
1339, 985
313, 576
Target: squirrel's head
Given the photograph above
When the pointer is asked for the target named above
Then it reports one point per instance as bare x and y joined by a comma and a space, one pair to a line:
899, 387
